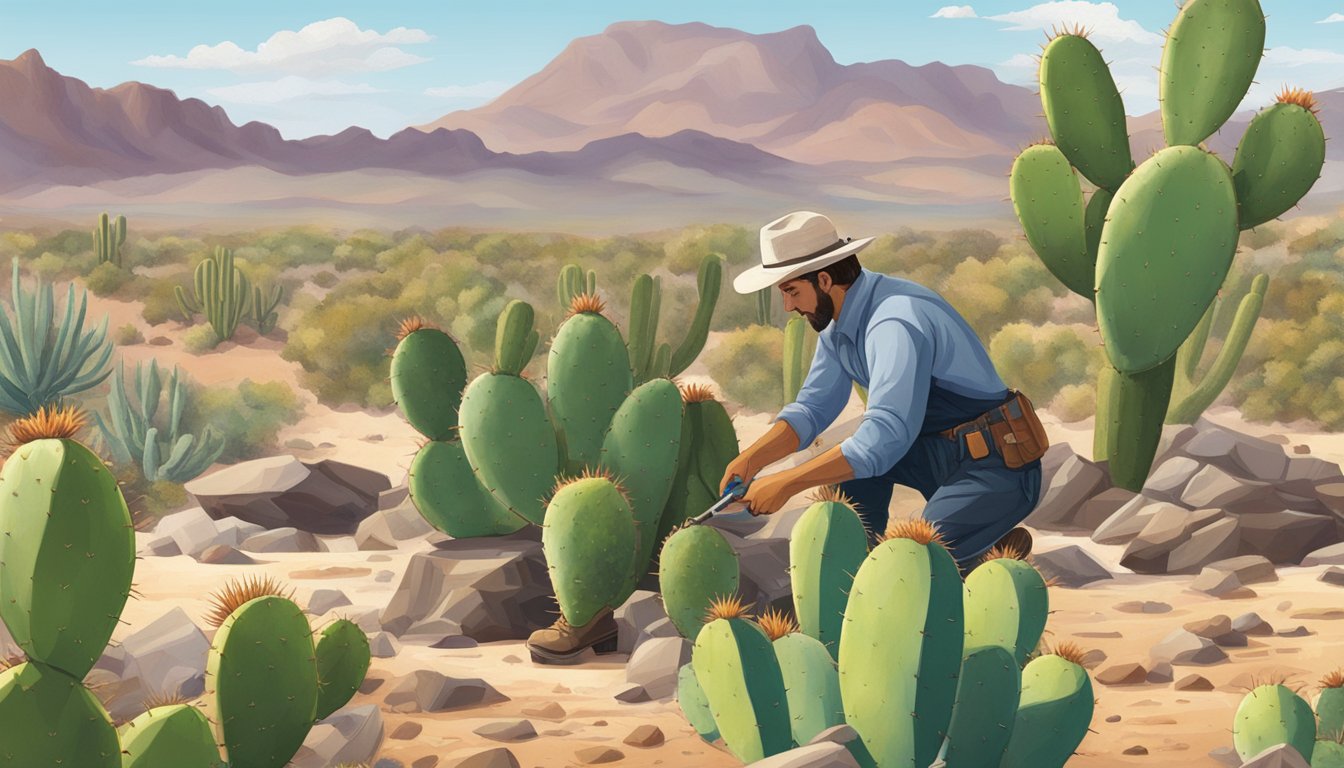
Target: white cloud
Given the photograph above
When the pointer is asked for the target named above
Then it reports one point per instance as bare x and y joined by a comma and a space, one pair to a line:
955, 12
287, 89
1333, 18
486, 90
1022, 61
1284, 56
332, 45
1101, 19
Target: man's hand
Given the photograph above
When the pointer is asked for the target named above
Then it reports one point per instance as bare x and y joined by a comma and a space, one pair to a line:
741, 467
768, 494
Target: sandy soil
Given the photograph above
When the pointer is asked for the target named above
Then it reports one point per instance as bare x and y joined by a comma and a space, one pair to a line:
1171, 725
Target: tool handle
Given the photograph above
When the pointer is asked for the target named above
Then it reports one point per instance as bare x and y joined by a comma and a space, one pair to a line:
735, 489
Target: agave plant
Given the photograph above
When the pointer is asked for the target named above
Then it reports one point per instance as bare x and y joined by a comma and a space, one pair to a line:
40, 362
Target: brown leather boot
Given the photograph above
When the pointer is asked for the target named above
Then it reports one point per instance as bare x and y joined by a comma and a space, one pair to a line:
564, 643
1018, 539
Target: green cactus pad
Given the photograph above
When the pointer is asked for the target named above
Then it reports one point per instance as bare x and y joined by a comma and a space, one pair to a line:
1053, 713
263, 672
1327, 754
742, 682
901, 650
1006, 604
1094, 219
812, 683
1277, 162
587, 378
1135, 407
1165, 250
1330, 711
342, 654
1049, 204
51, 721
514, 337
982, 719
1270, 715
826, 548
175, 735
641, 450
591, 544
1209, 61
1084, 110
697, 565
428, 375
708, 444
510, 442
694, 704
448, 495
67, 553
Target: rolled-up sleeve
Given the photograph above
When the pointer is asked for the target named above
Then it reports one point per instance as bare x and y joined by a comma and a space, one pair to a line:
899, 359
822, 397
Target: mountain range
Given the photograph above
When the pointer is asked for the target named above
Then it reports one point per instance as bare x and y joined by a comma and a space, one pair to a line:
644, 126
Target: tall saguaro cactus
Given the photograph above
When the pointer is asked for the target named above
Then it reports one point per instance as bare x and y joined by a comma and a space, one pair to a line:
648, 358
108, 237
223, 293
1153, 245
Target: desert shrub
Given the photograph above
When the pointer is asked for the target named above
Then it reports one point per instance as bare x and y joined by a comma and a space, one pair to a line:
161, 251
1263, 236
1295, 370
748, 365
160, 303
325, 279
1326, 239
737, 245
107, 279
1040, 360
999, 291
200, 339
249, 416
1074, 402
128, 334
359, 250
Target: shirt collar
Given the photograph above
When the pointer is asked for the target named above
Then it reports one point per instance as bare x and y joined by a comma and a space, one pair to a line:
858, 299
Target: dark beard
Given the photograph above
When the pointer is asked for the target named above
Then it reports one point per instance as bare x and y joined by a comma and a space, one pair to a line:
824, 314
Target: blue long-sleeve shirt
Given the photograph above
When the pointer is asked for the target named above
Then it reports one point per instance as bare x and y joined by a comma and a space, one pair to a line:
923, 366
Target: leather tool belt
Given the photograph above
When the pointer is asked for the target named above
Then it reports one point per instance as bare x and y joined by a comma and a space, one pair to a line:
1014, 428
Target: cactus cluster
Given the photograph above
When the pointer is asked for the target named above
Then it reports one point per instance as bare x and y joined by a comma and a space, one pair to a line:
607, 461
67, 557
108, 237
921, 665
222, 293
1272, 714
1154, 243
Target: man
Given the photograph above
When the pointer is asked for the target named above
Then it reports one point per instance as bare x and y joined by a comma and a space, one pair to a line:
938, 419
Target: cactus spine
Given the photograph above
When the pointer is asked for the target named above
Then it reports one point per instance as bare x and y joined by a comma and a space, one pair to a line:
108, 237
697, 567
223, 293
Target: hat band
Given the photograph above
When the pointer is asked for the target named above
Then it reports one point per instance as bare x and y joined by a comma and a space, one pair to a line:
800, 259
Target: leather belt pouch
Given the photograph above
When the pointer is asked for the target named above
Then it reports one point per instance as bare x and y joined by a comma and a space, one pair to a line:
1019, 437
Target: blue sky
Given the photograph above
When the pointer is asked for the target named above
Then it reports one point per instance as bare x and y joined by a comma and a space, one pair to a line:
310, 68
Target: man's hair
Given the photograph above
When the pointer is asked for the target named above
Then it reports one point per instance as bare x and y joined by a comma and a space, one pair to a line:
843, 272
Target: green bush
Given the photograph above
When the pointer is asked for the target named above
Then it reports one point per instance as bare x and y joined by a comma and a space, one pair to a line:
1002, 290
325, 279
1074, 402
683, 253
1040, 360
249, 416
160, 303
51, 267
128, 334
200, 339
107, 279
748, 364
1295, 370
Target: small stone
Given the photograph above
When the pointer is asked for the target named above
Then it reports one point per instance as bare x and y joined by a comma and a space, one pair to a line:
1093, 657
382, 577
161, 341
1301, 448
429, 761
1298, 631
223, 554
1285, 605
1113, 718
1333, 576
406, 731
1137, 749
1123, 674
1252, 624
599, 723
633, 694
384, 646
507, 730
379, 557
560, 689
645, 736
598, 755
1160, 673
511, 659
1193, 683
371, 684
454, 641
1227, 756
298, 444
548, 711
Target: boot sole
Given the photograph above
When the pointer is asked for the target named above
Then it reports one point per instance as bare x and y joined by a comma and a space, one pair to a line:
543, 656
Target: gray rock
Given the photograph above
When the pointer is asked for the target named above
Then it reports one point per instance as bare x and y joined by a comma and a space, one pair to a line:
1226, 756
659, 628
324, 600
222, 554
1334, 575
1331, 555
632, 694
1212, 487
1211, 445
1216, 583
1161, 673
1054, 458
1219, 540
387, 527
282, 540
507, 730
493, 588
1076, 480
1250, 569
162, 546
1127, 521
780, 525
1183, 647
739, 523
1167, 529
393, 496
350, 735
826, 755
383, 646
1260, 459
234, 532
1306, 473
1252, 624
326, 497
1277, 756
1285, 536
1072, 566
1174, 438
655, 664
640, 610
337, 544
1331, 496
764, 567
836, 734
166, 656
192, 529
384, 576
492, 758
1099, 508
428, 691
1168, 480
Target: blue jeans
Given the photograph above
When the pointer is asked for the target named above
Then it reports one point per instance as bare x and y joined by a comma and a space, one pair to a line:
972, 503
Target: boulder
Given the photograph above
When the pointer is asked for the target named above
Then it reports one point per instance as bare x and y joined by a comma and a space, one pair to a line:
1168, 480
1252, 624
282, 540
1277, 756
764, 568
493, 588
166, 656
1331, 555
193, 530
1249, 569
1127, 521
1076, 480
1334, 576
1174, 438
428, 691
223, 554
1071, 566
234, 532
1212, 445
1213, 487
1259, 459
325, 497
1285, 536
1306, 473
491, 758
640, 610
161, 546
1216, 583
1183, 647
1099, 508
1216, 541
1169, 527
323, 600
655, 664
393, 496
383, 529
1331, 495
347, 736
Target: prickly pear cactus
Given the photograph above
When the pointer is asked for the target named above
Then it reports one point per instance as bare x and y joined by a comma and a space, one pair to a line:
986, 708
826, 548
1270, 715
1006, 604
342, 654
51, 720
177, 735
697, 567
694, 705
811, 679
708, 443
1053, 712
428, 375
587, 378
450, 497
1209, 61
591, 543
1330, 706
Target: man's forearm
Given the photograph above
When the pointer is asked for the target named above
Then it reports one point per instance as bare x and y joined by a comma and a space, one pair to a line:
779, 441
829, 468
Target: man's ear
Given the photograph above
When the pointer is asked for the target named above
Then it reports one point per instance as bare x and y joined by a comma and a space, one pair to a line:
824, 282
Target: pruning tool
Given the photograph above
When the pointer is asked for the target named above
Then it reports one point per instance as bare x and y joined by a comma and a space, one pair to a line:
735, 490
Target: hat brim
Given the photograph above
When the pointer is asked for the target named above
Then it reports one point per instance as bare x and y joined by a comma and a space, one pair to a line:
759, 277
